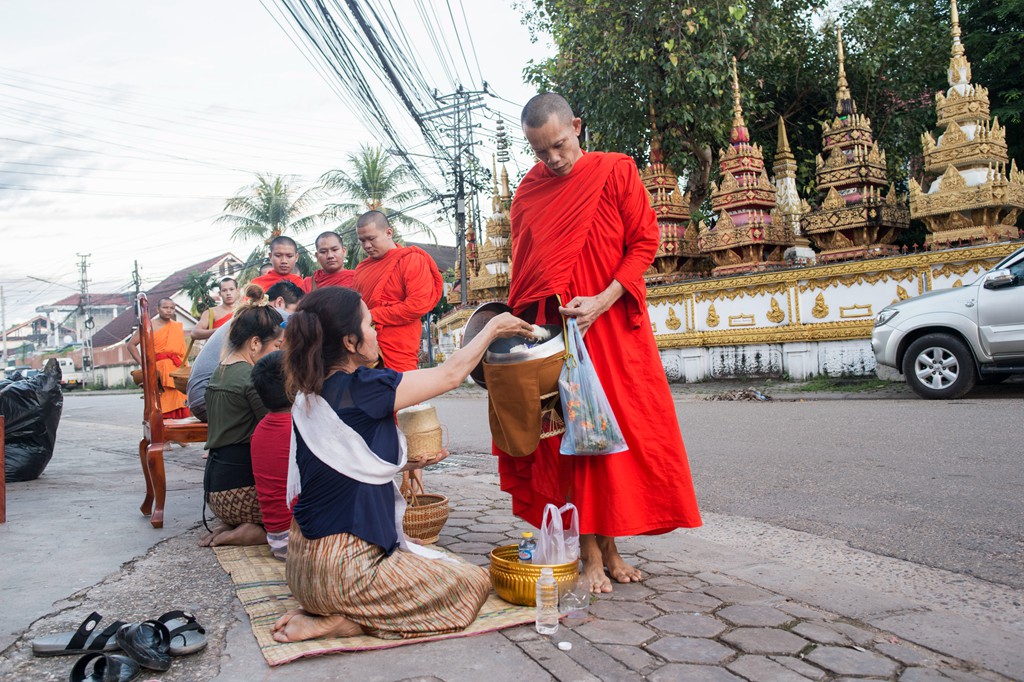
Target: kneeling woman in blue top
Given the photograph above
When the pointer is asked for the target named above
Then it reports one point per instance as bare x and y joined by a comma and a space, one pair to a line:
349, 564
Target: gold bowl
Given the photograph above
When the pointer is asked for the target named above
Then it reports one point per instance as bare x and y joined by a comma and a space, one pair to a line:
517, 583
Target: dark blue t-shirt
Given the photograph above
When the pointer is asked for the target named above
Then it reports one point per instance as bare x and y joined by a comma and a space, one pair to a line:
332, 503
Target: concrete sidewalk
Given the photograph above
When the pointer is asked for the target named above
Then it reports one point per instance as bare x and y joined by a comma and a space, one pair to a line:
735, 600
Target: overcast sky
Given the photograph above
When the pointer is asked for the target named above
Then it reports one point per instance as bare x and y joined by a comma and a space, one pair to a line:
124, 126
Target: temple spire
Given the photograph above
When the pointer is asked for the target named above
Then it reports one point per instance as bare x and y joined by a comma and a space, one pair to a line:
782, 146
737, 109
958, 48
844, 100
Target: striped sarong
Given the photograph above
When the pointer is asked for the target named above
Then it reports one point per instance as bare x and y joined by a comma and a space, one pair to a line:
392, 597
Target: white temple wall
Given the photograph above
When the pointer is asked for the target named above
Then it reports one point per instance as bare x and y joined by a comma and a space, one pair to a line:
795, 323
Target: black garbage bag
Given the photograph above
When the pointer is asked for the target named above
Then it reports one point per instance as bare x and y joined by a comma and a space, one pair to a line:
31, 410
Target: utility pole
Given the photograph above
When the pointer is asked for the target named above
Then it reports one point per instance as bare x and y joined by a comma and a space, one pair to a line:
87, 369
460, 105
3, 323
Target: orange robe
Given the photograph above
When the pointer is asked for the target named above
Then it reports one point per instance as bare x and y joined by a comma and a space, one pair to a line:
217, 324
271, 278
572, 236
399, 289
341, 278
169, 347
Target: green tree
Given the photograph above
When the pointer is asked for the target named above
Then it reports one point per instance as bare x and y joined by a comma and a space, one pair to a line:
993, 35
372, 182
197, 287
269, 208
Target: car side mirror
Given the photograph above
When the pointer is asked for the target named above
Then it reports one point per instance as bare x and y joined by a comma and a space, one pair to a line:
997, 279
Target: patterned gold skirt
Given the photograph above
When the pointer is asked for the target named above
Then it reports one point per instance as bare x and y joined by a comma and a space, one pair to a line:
391, 597
236, 506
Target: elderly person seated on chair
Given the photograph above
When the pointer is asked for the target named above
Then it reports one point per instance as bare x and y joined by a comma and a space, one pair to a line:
234, 409
349, 565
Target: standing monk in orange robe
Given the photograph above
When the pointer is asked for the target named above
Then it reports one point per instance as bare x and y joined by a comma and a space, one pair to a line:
583, 229
284, 255
214, 318
169, 347
400, 284
330, 254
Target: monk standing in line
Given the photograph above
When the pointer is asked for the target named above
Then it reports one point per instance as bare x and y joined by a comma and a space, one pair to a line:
400, 284
169, 347
583, 229
284, 254
214, 318
330, 254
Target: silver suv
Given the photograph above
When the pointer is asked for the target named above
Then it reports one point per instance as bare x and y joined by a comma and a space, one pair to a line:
944, 342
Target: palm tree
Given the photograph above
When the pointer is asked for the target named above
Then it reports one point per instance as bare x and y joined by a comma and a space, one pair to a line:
372, 183
197, 286
269, 208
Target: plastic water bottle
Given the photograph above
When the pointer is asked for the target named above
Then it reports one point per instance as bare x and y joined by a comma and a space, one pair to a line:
547, 602
527, 546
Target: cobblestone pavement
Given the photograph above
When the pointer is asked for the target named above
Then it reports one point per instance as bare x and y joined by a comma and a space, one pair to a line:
706, 611
685, 622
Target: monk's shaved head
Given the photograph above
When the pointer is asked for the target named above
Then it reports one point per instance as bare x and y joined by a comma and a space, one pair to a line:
165, 298
281, 240
542, 107
328, 236
374, 219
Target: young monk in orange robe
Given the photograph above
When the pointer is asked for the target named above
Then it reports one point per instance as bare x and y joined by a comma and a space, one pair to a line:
284, 254
169, 347
583, 229
330, 254
400, 284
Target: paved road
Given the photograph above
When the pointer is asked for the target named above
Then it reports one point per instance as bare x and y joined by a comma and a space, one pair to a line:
936, 483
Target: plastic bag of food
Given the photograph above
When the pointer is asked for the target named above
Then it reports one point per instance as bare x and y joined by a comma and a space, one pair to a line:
590, 424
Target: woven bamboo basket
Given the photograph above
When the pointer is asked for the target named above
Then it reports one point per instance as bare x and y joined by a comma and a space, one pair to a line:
425, 514
517, 583
422, 431
180, 376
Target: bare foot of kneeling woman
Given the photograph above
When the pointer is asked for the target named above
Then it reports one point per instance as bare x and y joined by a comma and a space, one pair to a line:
207, 540
243, 535
299, 625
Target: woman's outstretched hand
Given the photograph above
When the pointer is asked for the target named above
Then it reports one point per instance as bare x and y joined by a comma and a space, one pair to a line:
421, 463
507, 325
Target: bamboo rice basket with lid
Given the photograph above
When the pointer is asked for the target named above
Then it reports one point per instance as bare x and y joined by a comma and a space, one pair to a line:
422, 429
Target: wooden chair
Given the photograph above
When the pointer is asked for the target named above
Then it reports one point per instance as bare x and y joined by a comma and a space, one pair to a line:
157, 432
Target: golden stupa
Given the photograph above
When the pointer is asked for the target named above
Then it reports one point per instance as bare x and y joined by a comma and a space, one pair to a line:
860, 213
748, 236
678, 251
788, 204
974, 197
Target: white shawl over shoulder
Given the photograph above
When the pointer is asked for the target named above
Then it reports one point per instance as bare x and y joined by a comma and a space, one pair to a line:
337, 445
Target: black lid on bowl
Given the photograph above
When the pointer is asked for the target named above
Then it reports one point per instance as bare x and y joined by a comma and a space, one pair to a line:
474, 325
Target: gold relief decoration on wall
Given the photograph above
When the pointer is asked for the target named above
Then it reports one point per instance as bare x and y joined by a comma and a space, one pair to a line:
742, 320
806, 276
820, 310
712, 320
654, 326
957, 284
849, 312
901, 293
673, 322
819, 331
959, 269
733, 294
848, 280
775, 313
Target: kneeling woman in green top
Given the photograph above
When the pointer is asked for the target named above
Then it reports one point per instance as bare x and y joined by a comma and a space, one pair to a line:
234, 409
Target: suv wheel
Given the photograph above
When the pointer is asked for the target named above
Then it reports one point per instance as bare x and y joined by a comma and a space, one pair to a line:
939, 366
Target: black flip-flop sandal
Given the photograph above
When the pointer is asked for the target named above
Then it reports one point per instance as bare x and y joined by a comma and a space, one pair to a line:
187, 635
107, 668
148, 643
84, 640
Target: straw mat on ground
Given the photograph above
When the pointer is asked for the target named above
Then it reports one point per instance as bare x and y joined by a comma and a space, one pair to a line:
261, 587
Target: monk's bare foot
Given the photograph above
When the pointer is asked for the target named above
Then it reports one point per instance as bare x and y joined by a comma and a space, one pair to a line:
207, 540
244, 535
592, 571
617, 568
299, 625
